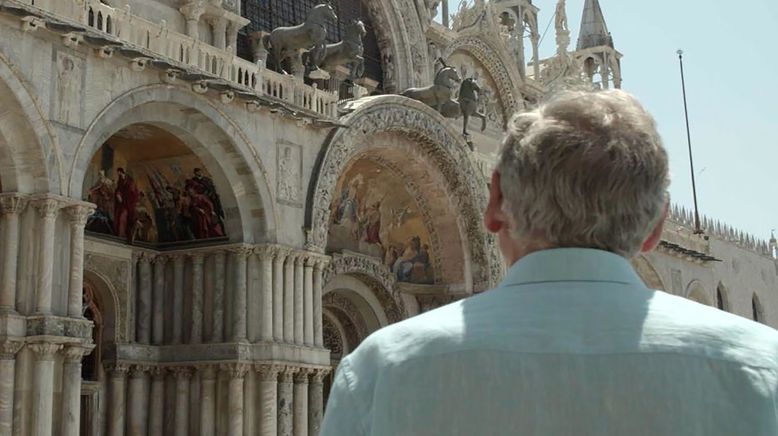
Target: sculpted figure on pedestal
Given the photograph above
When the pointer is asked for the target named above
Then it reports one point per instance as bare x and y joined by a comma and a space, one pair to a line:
285, 42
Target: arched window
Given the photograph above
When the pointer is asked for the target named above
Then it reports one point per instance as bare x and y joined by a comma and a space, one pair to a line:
757, 312
721, 301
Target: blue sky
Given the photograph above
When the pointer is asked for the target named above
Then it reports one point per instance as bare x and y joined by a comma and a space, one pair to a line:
732, 85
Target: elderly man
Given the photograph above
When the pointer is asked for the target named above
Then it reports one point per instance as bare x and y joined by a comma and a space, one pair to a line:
572, 342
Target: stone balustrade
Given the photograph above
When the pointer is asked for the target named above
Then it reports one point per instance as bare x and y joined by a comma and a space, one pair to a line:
149, 40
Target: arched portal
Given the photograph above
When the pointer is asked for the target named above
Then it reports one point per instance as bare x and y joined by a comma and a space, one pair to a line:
648, 273
397, 142
225, 152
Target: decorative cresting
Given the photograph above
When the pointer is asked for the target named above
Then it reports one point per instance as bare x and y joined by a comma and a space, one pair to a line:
507, 80
374, 274
444, 150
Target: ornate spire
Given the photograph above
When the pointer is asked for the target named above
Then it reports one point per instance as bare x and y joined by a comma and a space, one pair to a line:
594, 31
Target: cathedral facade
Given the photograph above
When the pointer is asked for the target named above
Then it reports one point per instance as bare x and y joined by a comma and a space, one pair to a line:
197, 225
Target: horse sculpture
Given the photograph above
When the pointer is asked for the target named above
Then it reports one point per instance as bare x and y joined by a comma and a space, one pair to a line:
469, 94
438, 94
284, 42
347, 52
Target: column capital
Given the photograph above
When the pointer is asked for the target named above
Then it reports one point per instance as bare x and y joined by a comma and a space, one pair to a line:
75, 353
157, 372
143, 257
318, 374
9, 348
242, 251
235, 370
46, 207
45, 350
286, 373
310, 261
140, 369
159, 260
181, 372
268, 372
79, 213
193, 10
301, 376
117, 369
207, 372
266, 251
12, 203
321, 264
299, 258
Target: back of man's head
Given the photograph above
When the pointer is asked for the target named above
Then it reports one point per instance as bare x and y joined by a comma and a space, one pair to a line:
585, 169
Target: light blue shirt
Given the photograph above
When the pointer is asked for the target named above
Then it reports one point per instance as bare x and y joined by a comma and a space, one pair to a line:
571, 343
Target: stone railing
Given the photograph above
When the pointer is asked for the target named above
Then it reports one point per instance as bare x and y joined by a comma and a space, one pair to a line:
139, 33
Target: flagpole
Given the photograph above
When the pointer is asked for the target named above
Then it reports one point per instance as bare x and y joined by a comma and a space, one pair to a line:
697, 228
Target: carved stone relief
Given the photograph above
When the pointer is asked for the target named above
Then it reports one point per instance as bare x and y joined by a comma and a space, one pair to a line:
290, 174
67, 89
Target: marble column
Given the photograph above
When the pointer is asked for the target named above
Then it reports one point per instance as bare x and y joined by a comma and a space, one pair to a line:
178, 298
118, 402
278, 294
318, 335
77, 216
232, 37
208, 401
239, 306
301, 402
137, 415
192, 12
71, 389
285, 393
43, 387
219, 259
158, 301
299, 309
11, 206
47, 210
444, 7
316, 401
197, 298
144, 298
289, 298
266, 255
219, 27
236, 373
182, 400
268, 399
157, 401
8, 350
308, 303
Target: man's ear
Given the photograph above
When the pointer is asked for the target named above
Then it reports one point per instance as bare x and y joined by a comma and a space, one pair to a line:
656, 234
494, 218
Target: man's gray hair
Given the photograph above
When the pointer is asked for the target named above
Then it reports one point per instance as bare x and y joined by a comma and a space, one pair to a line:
585, 169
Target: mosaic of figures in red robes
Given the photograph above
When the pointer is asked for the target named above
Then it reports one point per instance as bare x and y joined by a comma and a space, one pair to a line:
164, 201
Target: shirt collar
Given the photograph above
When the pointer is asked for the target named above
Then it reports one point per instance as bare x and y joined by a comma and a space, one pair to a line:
571, 265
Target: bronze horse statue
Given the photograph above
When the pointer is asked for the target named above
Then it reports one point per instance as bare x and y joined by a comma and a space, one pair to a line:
347, 52
438, 94
469, 94
283, 42
466, 105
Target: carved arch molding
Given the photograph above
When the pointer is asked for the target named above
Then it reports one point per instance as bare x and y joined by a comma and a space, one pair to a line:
508, 81
442, 149
402, 43
376, 276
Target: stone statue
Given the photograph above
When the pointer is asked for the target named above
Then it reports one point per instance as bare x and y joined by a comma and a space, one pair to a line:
438, 94
561, 17
284, 42
347, 52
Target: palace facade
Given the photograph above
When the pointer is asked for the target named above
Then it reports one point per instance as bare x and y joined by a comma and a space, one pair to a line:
190, 240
